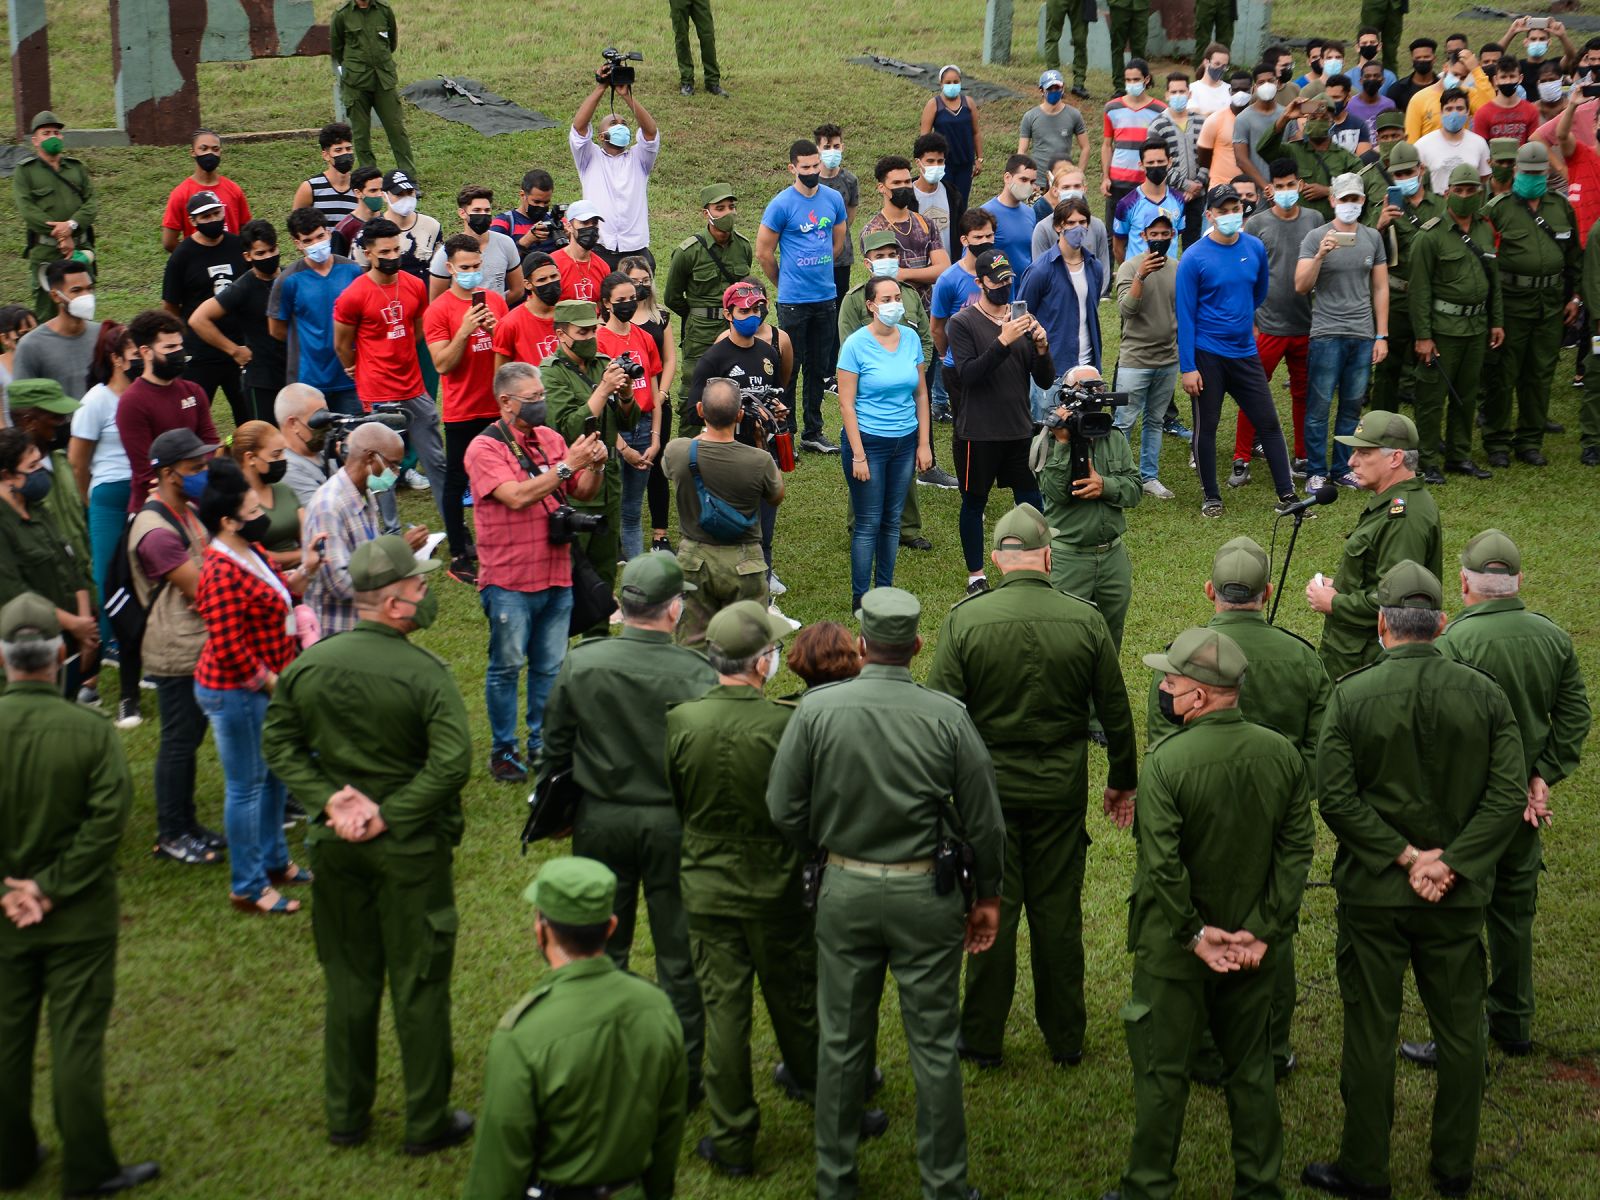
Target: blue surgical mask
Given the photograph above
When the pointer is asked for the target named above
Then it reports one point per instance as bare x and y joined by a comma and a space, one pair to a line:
320, 252
469, 280
1332, 67
1074, 235
194, 485
1409, 187
1228, 224
831, 158
1450, 82
1286, 199
1453, 122
383, 480
1178, 102
884, 268
891, 312
951, 90
1053, 96
1537, 49
1134, 89
933, 174
619, 136
747, 326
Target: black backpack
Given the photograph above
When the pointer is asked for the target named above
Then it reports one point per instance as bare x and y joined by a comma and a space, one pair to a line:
126, 616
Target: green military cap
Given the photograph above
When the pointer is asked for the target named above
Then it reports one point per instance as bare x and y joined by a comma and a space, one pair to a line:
888, 616
385, 560
1503, 149
46, 117
1404, 154
32, 613
653, 578
573, 891
1533, 158
1240, 570
1384, 430
1025, 528
1492, 553
746, 628
713, 192
1465, 173
877, 240
576, 312
41, 393
1203, 655
1409, 584
1393, 119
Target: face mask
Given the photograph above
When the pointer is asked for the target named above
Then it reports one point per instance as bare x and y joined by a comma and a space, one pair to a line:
588, 237
195, 485
1453, 122
1159, 246
641, 291
81, 307
933, 174
343, 162
998, 295
1072, 193
585, 349
36, 485
774, 664
623, 310
1537, 49
319, 252
1371, 86
1286, 199
268, 265
1156, 174
1529, 186
1409, 187
387, 266
891, 312
1501, 171
169, 366
1367, 52
52, 145
1450, 83
1338, 108
1422, 67
1316, 131
809, 179
747, 326
1178, 102
471, 280
255, 528
1267, 92
1506, 89
1248, 206
425, 611
1215, 73
374, 203
275, 471
884, 268
403, 206
208, 162
1053, 96
902, 197
1464, 206
382, 481
951, 90
831, 158
1239, 101
1286, 73
725, 223
1550, 90
1228, 224
479, 222
548, 293
1348, 213
1074, 235
1135, 89
619, 136
314, 438
1021, 192
1332, 67
1166, 701
532, 413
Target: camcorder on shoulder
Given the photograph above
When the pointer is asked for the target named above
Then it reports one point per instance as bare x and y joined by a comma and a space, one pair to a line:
339, 425
761, 426
1087, 418
622, 75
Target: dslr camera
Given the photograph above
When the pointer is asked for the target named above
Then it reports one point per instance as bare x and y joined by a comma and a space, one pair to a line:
631, 366
552, 218
622, 75
761, 427
567, 524
1088, 418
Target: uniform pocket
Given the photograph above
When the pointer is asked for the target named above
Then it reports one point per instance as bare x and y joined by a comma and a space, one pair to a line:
1136, 1019
439, 942
752, 573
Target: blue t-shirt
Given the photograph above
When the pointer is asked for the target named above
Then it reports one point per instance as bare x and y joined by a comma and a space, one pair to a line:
1013, 232
953, 291
1134, 213
804, 225
306, 300
1217, 291
886, 383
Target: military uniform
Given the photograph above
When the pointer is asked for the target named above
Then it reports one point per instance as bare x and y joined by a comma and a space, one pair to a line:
1029, 662
1416, 751
1532, 660
868, 768
373, 710
1311, 165
1077, 14
1589, 412
65, 793
585, 1084
1130, 27
45, 195
1225, 840
699, 12
1399, 522
1394, 378
1388, 18
1213, 22
606, 722
1087, 558
363, 44
701, 270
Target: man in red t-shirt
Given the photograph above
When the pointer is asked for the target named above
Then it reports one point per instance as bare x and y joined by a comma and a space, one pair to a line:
159, 400
581, 268
529, 333
1505, 116
206, 151
377, 325
460, 331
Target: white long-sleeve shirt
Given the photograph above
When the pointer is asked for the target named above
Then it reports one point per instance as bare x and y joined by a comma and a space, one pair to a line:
617, 184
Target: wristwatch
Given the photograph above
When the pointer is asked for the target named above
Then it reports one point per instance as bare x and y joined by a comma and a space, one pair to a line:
1411, 859
564, 472
1195, 940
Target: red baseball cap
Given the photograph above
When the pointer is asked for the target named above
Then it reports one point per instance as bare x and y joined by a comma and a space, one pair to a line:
743, 295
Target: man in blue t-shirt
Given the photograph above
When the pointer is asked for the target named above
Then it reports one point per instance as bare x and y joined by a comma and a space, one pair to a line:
957, 287
1144, 204
1013, 212
803, 229
300, 311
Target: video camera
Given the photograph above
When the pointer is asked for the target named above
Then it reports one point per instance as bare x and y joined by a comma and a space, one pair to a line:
1088, 418
552, 218
339, 425
621, 74
761, 427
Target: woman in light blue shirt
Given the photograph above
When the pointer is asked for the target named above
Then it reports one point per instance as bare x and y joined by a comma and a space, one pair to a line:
883, 396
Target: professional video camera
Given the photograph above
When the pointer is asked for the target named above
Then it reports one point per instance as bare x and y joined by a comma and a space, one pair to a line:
339, 425
621, 74
761, 426
1087, 418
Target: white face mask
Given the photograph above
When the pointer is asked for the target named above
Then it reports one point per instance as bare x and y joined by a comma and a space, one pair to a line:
402, 206
1348, 213
1021, 191
1550, 91
774, 664
1267, 93
1072, 193
81, 307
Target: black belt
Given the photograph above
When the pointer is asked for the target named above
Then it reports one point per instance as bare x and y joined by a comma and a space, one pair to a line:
572, 1191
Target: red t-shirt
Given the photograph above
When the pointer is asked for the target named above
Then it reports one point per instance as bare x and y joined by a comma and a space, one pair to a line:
235, 208
385, 318
525, 336
644, 350
514, 550
1583, 188
581, 281
466, 393
1519, 121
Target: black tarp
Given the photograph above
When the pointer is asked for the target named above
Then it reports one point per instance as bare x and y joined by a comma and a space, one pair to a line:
495, 115
926, 75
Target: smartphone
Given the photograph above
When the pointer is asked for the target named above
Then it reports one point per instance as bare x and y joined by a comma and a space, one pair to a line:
1343, 239
1019, 309
1591, 90
477, 298
591, 424
1538, 22
1395, 197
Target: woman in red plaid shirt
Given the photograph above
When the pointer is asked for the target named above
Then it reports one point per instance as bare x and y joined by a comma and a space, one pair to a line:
251, 635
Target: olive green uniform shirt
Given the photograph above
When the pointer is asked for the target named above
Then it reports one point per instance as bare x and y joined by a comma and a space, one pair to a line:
586, 1085
695, 285
1421, 750
853, 315
1528, 251
1590, 279
35, 558
1442, 268
65, 507
1312, 166
44, 195
363, 42
1091, 522
567, 389
1401, 234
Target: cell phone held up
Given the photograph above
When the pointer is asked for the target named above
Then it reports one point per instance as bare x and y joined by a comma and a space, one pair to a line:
1019, 309
477, 299
591, 424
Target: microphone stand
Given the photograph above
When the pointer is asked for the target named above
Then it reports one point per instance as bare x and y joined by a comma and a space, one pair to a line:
1283, 574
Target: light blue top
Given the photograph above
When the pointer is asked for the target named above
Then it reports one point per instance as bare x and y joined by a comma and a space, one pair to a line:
1013, 232
804, 225
953, 291
886, 383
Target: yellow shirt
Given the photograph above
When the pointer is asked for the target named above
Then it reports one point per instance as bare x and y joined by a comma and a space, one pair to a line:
1422, 114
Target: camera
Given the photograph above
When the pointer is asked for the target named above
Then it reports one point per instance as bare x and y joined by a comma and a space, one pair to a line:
567, 524
622, 75
631, 366
760, 425
1088, 417
339, 425
552, 219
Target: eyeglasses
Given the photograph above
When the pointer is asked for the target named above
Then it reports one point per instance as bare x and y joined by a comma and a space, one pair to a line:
530, 398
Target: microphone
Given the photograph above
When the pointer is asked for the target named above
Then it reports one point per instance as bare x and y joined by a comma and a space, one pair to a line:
1326, 494
326, 416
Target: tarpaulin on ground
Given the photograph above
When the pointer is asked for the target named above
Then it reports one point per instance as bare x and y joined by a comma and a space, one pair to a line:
494, 115
927, 75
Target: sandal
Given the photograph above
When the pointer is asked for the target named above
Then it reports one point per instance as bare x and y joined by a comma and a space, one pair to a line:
185, 849
253, 905
290, 876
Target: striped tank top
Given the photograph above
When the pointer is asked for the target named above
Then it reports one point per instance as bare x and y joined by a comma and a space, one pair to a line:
333, 204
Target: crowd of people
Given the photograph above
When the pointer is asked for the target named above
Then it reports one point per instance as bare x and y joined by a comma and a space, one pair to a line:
1417, 241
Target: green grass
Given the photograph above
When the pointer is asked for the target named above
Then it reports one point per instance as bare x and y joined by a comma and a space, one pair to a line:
214, 1055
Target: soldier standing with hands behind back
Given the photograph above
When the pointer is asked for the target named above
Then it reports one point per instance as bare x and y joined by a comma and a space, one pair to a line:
364, 37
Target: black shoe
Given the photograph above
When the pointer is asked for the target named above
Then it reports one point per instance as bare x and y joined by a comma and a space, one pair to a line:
818, 443
707, 1149
1282, 1071
974, 586
1455, 1185
874, 1123
1433, 477
1533, 458
939, 478
354, 1137
1098, 737
187, 850
715, 89
505, 767
39, 1155
1330, 1177
1081, 92
1067, 1060
1424, 1054
916, 543
1557, 426
686, 89
1500, 459
1515, 1048
984, 1062
1590, 456
1467, 467
458, 1131
1204, 1080
208, 838
784, 1078
128, 1177
1241, 473
464, 570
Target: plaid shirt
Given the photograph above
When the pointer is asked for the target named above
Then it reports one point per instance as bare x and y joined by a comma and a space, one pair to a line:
246, 625
514, 550
348, 518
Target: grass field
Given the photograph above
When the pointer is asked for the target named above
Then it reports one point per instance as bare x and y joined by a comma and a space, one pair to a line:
214, 1055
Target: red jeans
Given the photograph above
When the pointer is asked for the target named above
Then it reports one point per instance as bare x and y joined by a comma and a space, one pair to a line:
1273, 349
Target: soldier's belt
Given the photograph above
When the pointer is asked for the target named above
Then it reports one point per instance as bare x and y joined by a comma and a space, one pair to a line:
1092, 548
1398, 286
916, 866
1530, 282
710, 314
1459, 310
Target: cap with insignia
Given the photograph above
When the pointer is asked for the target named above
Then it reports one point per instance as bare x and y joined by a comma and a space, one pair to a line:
1381, 430
1409, 584
29, 618
746, 628
1465, 173
573, 891
889, 616
1492, 553
877, 240
1502, 149
1240, 570
44, 394
202, 202
1393, 119
1348, 184
46, 119
1533, 158
1023, 528
1221, 194
654, 578
1203, 655
1403, 155
576, 312
993, 266
385, 560
713, 192
398, 182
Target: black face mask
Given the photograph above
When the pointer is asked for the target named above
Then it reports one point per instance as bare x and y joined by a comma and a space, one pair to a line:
480, 222
1286, 74
1367, 52
275, 471
208, 162
809, 179
1156, 174
62, 436
1166, 700
998, 295
388, 266
1158, 246
1422, 67
169, 366
532, 413
903, 197
1337, 107
623, 310
255, 528
588, 237
268, 265
1247, 207
1371, 86
642, 291
36, 485
316, 439
1506, 89
210, 229
548, 293
343, 162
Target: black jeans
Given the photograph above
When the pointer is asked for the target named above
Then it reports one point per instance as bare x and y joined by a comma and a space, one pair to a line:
814, 330
458, 436
657, 493
212, 373
1246, 381
183, 728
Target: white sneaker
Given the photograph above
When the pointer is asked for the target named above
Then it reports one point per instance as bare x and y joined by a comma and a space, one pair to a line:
415, 480
776, 612
1154, 487
1315, 484
775, 586
128, 715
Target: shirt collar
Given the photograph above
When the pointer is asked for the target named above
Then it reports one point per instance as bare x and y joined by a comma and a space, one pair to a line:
32, 688
1394, 489
1508, 604
633, 633
379, 627
737, 691
583, 968
1012, 578
885, 671
1238, 616
1220, 716
1412, 650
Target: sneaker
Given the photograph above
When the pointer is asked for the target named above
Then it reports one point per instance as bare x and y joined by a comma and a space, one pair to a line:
661, 543
89, 697
1284, 503
464, 570
831, 384
774, 610
1348, 480
1211, 508
1193, 466
1173, 427
975, 586
1241, 473
208, 837
506, 767
775, 586
1297, 468
819, 443
943, 416
128, 716
187, 850
1315, 484
1154, 487
939, 478
415, 480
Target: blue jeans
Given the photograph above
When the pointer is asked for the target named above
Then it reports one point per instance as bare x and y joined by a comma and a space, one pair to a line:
252, 807
634, 483
938, 398
1042, 400
1149, 394
345, 402
108, 513
877, 504
524, 627
1345, 364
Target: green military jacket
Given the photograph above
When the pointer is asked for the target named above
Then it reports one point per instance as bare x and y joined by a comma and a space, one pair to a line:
1091, 522
65, 507
1421, 750
1532, 659
1401, 236
1443, 269
1529, 251
1030, 663
65, 793
35, 558
607, 714
719, 754
1590, 279
567, 388
1399, 523
45, 195
372, 709
853, 315
363, 42
1285, 687
1225, 839
869, 766
586, 1084
1312, 166
695, 284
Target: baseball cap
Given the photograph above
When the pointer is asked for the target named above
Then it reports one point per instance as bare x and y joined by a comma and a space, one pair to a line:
1502, 149
877, 240
1240, 570
1348, 184
746, 628
1383, 430
1221, 194
573, 891
653, 578
994, 266
583, 210
1533, 157
396, 182
176, 446
713, 192
385, 560
1404, 154
743, 295
1024, 528
1203, 655
889, 616
1409, 584
41, 393
576, 312
1050, 77
1492, 553
46, 117
202, 202
1466, 173
32, 612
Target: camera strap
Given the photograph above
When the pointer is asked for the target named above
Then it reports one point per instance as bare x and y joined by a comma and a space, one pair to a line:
503, 433
716, 258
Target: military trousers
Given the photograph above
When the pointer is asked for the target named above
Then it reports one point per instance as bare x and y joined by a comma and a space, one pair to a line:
1206, 1061
1044, 864
376, 912
869, 923
698, 11
1213, 22
77, 981
1589, 412
1526, 364
1394, 380
643, 846
38, 258
359, 105
1163, 1020
730, 955
1059, 13
1449, 386
1388, 18
1375, 945
1508, 922
602, 547
1102, 576
722, 575
1130, 28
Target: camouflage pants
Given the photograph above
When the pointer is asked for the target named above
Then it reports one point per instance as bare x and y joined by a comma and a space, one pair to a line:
722, 575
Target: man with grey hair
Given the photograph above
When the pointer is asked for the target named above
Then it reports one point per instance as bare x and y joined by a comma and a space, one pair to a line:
304, 471
1399, 522
1532, 660
1420, 775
